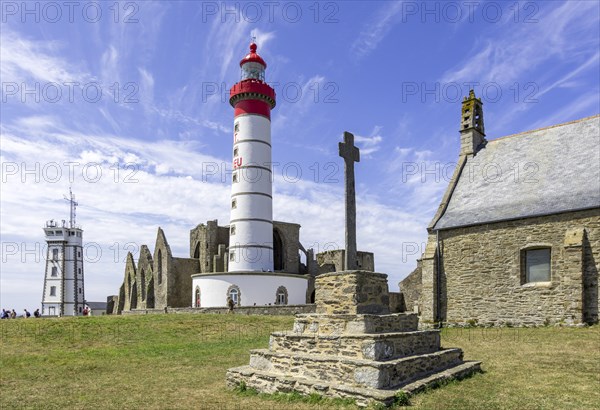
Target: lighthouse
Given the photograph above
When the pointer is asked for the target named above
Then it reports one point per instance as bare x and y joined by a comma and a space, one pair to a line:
261, 266
251, 221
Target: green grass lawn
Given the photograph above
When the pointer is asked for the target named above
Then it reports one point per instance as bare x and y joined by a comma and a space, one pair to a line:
179, 361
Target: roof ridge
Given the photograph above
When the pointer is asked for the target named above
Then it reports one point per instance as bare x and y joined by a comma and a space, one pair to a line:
545, 128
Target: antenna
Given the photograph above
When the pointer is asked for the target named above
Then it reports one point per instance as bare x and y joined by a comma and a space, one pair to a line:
73, 204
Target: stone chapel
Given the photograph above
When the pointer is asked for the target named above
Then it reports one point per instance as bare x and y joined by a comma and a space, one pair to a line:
516, 237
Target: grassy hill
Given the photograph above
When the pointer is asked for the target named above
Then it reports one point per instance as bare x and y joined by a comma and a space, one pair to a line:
178, 361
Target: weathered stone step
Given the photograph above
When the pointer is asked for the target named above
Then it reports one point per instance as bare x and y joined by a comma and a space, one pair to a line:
379, 347
355, 324
359, 372
267, 382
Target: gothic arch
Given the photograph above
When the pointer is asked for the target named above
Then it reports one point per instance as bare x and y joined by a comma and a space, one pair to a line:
159, 265
150, 294
143, 284
197, 251
133, 296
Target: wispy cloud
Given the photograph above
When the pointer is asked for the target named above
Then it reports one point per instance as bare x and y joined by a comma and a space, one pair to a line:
26, 59
511, 51
375, 30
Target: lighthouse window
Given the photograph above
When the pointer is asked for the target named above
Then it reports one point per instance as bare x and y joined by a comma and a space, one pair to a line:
236, 127
235, 178
79, 254
233, 204
232, 256
236, 151
79, 271
54, 271
52, 290
80, 291
234, 293
55, 254
281, 297
232, 230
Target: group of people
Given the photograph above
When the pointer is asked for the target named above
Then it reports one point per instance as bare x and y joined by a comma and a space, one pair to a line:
11, 314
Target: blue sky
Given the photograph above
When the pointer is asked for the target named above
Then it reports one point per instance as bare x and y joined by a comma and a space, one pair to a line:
143, 85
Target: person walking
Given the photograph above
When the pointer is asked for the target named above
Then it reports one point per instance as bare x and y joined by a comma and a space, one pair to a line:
27, 314
230, 304
13, 314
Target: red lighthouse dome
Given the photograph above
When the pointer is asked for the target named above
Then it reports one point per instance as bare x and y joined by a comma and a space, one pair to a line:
253, 57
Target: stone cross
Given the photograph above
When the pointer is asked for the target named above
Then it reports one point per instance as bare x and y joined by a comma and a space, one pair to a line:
351, 154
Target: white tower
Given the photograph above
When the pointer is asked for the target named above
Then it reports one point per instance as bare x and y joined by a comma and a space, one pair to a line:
251, 223
63, 283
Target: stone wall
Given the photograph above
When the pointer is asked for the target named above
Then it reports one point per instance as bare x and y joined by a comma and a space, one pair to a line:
180, 282
481, 276
411, 289
277, 310
333, 261
290, 237
112, 303
396, 302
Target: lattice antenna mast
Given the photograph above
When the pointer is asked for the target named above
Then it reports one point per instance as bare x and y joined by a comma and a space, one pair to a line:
73, 213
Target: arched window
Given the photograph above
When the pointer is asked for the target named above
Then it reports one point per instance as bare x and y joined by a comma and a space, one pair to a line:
159, 261
197, 297
281, 296
197, 251
234, 293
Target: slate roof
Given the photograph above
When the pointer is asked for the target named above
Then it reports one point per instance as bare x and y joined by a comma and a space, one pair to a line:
539, 172
96, 305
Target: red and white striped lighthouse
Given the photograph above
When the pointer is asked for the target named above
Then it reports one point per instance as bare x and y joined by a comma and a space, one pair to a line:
251, 223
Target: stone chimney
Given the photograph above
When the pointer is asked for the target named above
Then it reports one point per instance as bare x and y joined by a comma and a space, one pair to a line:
472, 132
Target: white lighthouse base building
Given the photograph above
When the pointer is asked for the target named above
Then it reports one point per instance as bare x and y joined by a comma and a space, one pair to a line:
249, 289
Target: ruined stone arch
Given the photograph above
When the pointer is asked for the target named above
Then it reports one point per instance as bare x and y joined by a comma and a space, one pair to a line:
234, 290
281, 296
197, 251
145, 269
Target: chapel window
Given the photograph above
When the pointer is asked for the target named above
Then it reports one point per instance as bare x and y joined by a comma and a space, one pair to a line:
535, 265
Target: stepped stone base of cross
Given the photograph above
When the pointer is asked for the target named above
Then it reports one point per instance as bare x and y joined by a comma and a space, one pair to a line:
352, 348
